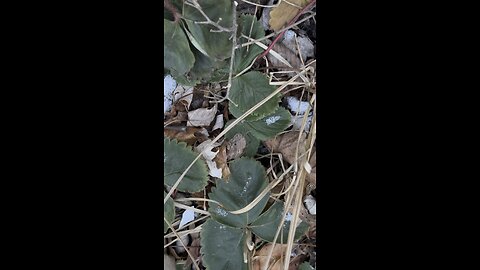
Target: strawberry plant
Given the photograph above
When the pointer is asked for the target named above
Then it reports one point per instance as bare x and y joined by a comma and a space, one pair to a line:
226, 236
198, 49
210, 48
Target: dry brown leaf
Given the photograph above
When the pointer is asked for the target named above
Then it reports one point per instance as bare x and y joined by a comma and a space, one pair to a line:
187, 96
201, 117
260, 258
286, 53
286, 144
176, 117
281, 15
236, 146
221, 160
183, 134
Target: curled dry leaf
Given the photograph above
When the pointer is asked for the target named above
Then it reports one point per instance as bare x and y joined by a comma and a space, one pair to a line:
185, 95
184, 134
276, 261
286, 53
175, 117
236, 146
286, 144
201, 117
221, 160
208, 155
282, 14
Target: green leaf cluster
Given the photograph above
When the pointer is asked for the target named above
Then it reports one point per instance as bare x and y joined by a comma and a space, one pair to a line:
224, 236
176, 159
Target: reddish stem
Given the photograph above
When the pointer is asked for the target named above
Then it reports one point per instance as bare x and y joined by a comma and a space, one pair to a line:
307, 7
168, 5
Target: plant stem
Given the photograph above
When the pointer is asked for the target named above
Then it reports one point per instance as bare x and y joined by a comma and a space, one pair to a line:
168, 5
196, 5
232, 58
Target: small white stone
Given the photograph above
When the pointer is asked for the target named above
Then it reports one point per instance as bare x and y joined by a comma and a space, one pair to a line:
296, 105
169, 85
311, 204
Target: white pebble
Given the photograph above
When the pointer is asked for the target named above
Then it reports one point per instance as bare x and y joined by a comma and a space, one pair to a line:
311, 204
169, 85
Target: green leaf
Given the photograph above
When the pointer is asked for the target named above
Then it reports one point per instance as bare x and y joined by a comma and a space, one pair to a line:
247, 180
167, 15
176, 158
168, 212
245, 55
247, 91
179, 265
267, 224
177, 4
252, 142
214, 44
176, 49
305, 266
222, 246
204, 67
270, 125
184, 79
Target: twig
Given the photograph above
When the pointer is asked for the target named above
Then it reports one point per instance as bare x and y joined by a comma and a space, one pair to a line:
307, 7
181, 242
260, 5
196, 5
168, 5
232, 58
277, 32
